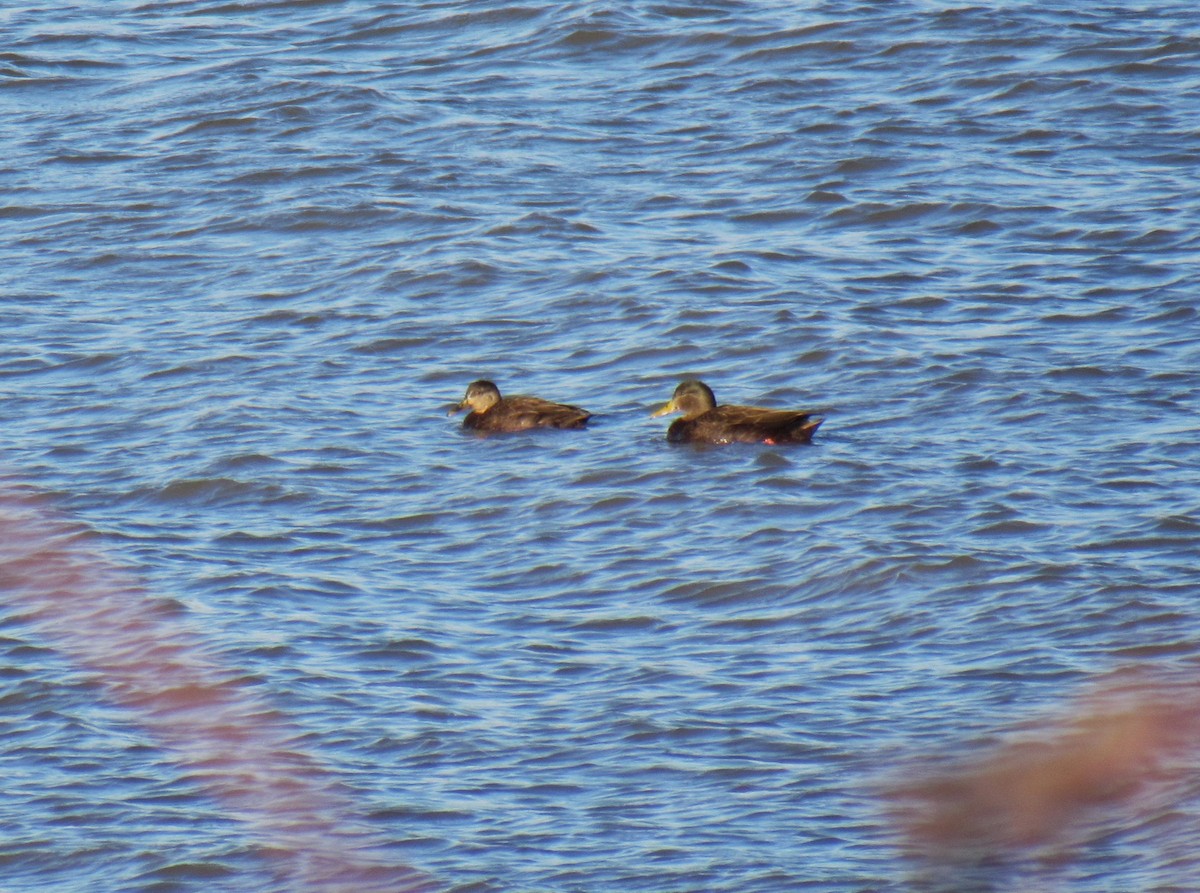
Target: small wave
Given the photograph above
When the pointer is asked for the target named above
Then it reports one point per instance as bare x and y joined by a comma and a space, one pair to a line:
21, 211
1012, 527
215, 491
865, 164
617, 624
216, 124
774, 217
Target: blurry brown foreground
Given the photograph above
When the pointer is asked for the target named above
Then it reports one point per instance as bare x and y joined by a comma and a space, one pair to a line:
147, 658
1126, 746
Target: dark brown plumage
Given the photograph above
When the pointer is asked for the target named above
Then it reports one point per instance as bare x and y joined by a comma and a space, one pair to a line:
705, 422
491, 412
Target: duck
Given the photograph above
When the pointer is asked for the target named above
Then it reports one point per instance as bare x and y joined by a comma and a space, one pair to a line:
703, 421
491, 412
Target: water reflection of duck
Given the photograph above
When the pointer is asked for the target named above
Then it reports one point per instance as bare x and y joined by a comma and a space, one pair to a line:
705, 422
491, 412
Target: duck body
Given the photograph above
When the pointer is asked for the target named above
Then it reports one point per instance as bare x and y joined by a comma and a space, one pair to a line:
492, 413
704, 421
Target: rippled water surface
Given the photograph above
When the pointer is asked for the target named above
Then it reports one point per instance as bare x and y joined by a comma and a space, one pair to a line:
250, 251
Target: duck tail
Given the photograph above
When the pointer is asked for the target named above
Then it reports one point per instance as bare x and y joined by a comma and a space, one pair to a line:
809, 427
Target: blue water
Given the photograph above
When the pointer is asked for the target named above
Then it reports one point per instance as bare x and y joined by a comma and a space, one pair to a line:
250, 251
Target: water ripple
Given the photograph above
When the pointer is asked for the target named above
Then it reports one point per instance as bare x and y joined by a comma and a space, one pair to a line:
254, 251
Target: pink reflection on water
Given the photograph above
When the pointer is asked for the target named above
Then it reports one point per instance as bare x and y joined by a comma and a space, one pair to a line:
1120, 755
149, 660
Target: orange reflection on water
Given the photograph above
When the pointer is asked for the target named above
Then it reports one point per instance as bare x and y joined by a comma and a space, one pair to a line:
148, 659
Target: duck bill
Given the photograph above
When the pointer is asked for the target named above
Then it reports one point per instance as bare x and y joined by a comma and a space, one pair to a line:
666, 409
456, 407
